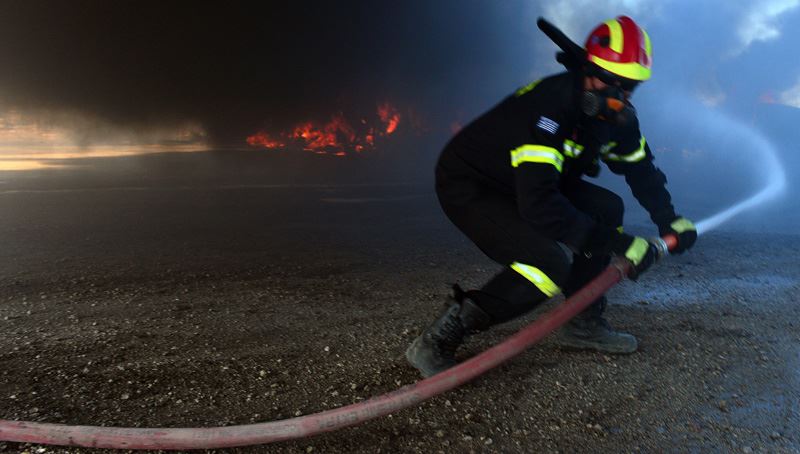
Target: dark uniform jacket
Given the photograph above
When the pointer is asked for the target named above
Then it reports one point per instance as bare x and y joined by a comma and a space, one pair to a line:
536, 143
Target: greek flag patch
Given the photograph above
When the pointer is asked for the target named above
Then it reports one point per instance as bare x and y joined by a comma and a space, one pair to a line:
547, 124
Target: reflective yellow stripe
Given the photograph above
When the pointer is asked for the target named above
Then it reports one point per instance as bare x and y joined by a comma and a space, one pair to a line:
615, 29
607, 147
637, 250
572, 149
648, 47
635, 156
633, 71
537, 153
682, 225
527, 88
539, 279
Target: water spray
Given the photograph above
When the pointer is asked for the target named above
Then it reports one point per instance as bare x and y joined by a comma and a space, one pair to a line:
773, 170
682, 111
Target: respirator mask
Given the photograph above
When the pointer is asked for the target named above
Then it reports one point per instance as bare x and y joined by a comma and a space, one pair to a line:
611, 102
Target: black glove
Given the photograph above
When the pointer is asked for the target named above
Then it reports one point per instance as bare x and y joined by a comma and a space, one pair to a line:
641, 253
683, 229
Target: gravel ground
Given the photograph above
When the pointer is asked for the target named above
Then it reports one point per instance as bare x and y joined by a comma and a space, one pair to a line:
158, 305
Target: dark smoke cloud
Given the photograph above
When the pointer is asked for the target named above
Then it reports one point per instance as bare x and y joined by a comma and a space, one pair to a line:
238, 66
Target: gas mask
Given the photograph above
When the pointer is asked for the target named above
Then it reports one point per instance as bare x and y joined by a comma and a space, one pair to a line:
608, 104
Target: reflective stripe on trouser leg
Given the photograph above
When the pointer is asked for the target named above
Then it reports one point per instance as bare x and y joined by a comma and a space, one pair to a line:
538, 278
507, 295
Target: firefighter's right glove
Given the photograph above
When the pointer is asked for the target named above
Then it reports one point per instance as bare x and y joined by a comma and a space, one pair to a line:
683, 230
641, 253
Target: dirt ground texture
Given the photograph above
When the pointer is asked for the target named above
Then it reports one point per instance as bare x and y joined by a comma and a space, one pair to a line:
213, 305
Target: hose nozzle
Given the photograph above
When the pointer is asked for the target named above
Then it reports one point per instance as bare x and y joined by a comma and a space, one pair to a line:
661, 246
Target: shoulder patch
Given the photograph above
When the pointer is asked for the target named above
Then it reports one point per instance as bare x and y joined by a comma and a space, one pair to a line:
547, 124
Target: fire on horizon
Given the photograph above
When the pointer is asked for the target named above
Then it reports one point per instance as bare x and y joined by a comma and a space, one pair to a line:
338, 136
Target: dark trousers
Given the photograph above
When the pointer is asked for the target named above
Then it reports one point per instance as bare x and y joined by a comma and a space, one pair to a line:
492, 221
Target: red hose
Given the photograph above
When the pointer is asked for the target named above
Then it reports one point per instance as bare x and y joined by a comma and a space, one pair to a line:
671, 241
305, 426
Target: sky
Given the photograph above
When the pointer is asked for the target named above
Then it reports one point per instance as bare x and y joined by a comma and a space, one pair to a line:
97, 77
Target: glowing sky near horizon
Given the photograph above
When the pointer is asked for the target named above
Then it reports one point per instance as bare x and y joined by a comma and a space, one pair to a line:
28, 144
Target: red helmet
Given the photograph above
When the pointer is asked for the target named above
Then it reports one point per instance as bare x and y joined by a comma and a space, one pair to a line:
622, 48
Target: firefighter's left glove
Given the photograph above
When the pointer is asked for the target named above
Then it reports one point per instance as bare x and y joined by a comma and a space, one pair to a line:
641, 253
684, 230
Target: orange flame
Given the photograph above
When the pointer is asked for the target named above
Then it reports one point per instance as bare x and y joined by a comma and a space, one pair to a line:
389, 117
335, 137
328, 136
314, 137
261, 139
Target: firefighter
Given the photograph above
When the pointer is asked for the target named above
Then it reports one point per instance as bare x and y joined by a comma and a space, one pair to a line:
512, 182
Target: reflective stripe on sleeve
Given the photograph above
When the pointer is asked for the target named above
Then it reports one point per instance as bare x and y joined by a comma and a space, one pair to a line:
635, 156
572, 149
538, 278
537, 153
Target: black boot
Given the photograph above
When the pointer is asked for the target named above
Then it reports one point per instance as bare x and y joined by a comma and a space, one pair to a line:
434, 350
589, 330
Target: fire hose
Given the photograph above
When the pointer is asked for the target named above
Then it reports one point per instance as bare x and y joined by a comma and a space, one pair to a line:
330, 420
